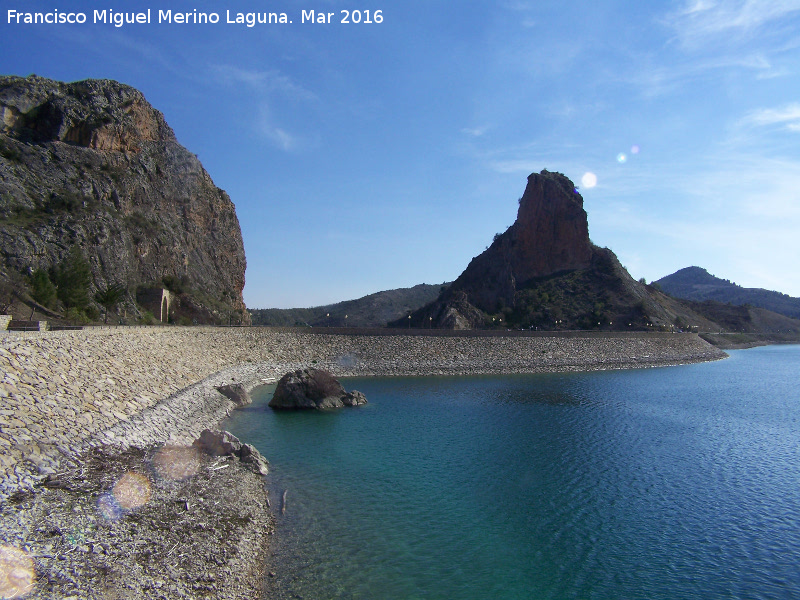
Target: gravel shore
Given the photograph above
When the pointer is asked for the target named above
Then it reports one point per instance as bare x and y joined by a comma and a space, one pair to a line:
85, 416
121, 525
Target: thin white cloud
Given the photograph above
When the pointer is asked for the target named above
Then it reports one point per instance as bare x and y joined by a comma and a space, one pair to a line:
267, 81
475, 131
700, 21
269, 85
277, 135
787, 116
657, 80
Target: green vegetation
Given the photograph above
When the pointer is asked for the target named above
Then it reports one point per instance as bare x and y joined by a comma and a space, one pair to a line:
76, 316
109, 296
72, 278
23, 217
143, 227
8, 288
592, 298
65, 200
9, 152
42, 289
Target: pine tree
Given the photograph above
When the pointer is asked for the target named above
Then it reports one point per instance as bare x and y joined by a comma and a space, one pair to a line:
42, 289
72, 277
110, 296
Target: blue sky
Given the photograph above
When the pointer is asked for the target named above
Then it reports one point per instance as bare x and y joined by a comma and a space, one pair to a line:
364, 157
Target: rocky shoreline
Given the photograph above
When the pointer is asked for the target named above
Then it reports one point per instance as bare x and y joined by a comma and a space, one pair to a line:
79, 411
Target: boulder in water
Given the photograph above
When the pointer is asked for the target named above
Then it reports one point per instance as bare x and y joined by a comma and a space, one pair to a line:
313, 389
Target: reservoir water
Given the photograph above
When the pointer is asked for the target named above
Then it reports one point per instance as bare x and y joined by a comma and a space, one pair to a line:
678, 482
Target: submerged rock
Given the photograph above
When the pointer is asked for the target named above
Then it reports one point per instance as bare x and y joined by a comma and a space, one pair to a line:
235, 392
313, 389
224, 443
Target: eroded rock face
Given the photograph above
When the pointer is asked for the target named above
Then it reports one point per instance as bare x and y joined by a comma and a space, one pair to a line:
92, 163
550, 235
313, 389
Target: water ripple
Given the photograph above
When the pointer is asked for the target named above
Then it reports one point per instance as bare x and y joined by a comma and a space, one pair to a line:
657, 484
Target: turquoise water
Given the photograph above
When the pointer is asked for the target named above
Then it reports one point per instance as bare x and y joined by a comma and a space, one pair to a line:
680, 482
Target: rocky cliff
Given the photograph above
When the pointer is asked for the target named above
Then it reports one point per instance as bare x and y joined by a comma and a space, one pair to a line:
544, 272
93, 164
550, 235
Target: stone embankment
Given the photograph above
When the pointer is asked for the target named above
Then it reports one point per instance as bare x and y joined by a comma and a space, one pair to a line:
61, 392
100, 497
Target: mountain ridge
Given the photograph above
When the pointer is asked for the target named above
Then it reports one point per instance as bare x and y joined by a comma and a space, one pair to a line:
372, 310
698, 285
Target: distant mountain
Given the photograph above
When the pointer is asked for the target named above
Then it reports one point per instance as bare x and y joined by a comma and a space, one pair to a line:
543, 272
697, 284
374, 310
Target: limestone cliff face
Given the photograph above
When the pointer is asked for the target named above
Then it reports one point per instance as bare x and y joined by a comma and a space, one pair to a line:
92, 163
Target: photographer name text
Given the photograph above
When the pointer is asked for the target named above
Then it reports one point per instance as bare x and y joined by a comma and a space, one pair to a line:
194, 17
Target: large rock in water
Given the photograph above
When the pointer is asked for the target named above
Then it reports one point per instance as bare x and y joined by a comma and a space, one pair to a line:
93, 164
313, 389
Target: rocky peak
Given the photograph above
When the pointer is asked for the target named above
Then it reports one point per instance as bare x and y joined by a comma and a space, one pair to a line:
544, 273
97, 114
550, 235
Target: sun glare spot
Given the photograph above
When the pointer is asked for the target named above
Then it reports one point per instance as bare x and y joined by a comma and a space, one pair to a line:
108, 508
132, 491
622, 158
589, 180
176, 462
17, 573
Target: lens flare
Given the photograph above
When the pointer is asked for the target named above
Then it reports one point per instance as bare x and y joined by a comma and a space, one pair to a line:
176, 462
132, 491
589, 180
622, 158
635, 149
17, 573
108, 508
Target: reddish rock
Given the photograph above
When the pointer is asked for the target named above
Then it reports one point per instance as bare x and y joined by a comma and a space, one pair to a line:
550, 235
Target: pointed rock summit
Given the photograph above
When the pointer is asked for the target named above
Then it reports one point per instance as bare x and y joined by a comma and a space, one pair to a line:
551, 234
543, 272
